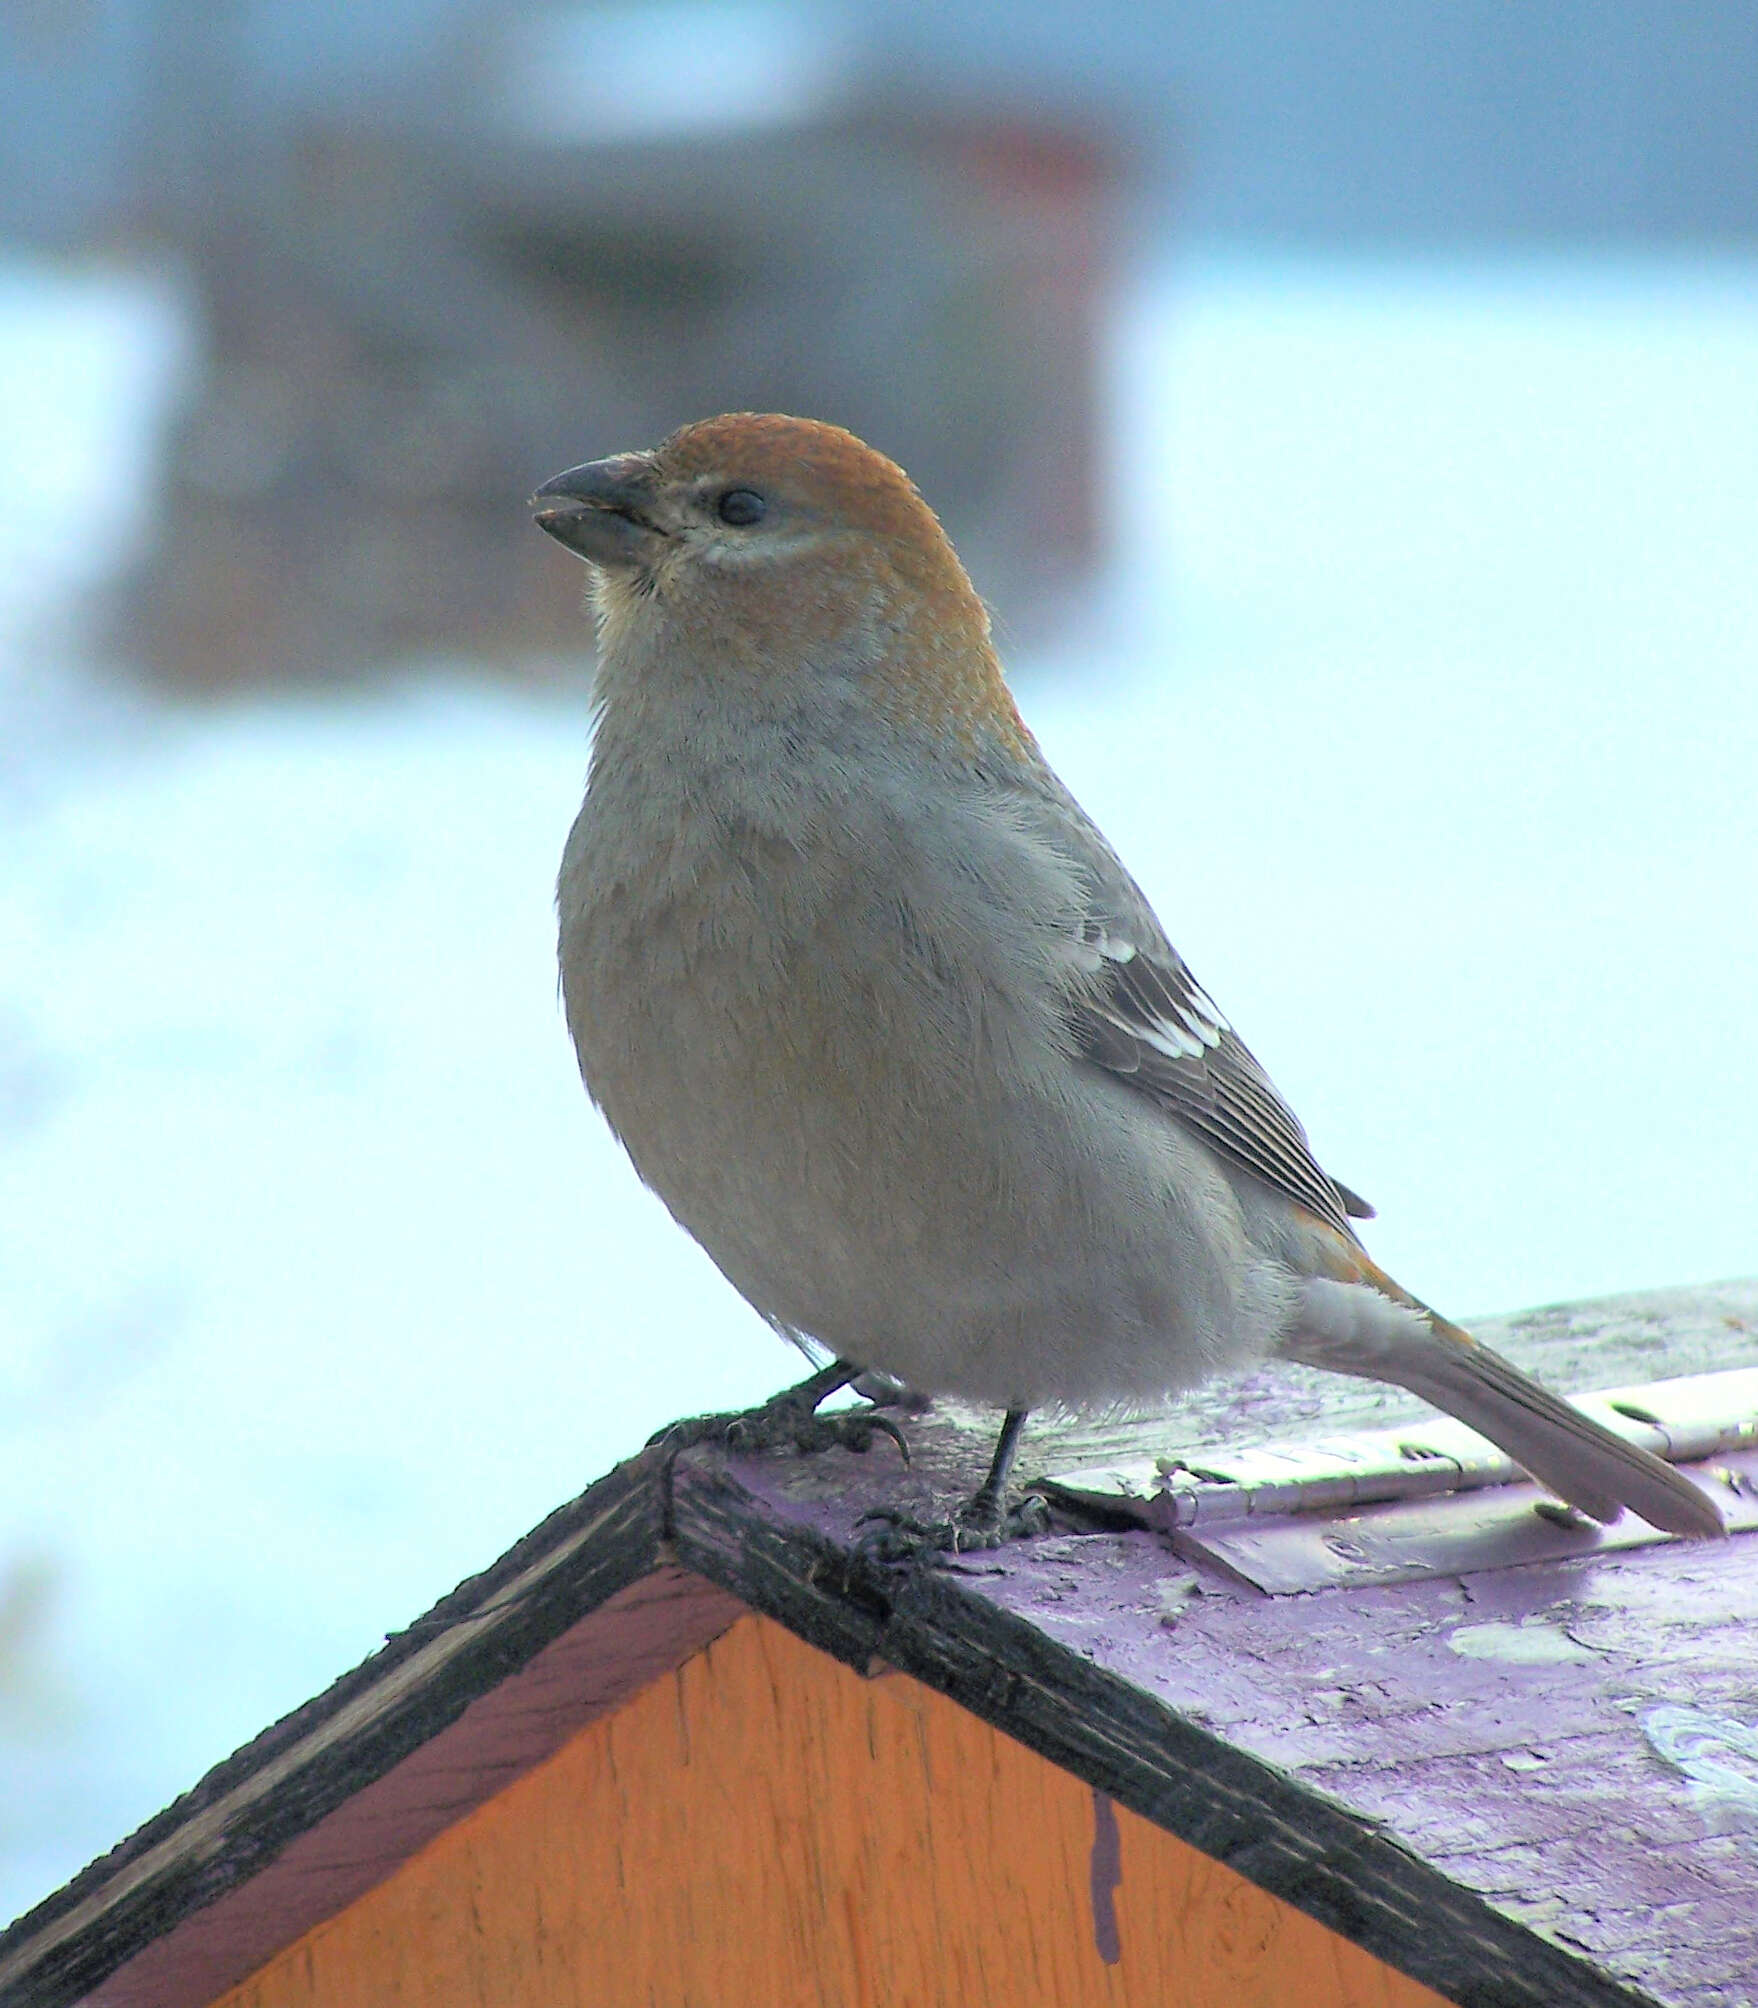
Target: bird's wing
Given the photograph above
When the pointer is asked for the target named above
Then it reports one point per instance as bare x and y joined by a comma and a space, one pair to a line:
1135, 1009
1146, 1018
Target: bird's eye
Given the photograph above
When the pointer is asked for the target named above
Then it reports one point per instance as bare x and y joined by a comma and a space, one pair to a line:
741, 507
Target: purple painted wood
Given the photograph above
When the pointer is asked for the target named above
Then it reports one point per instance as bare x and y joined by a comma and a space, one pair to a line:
1573, 1742
1512, 1728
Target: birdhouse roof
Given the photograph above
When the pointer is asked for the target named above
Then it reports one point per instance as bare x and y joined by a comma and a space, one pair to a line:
1513, 1756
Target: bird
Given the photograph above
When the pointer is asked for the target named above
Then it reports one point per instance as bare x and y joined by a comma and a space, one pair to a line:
875, 1009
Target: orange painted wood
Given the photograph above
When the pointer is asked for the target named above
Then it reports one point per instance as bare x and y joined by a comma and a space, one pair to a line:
764, 1828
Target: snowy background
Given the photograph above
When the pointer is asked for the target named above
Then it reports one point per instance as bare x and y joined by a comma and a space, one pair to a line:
1423, 697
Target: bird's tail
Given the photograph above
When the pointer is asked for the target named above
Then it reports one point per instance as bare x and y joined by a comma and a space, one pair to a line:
1370, 1326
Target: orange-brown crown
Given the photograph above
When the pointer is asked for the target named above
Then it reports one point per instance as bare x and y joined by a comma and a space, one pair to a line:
815, 463
941, 670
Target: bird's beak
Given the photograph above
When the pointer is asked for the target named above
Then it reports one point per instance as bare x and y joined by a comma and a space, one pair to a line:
603, 511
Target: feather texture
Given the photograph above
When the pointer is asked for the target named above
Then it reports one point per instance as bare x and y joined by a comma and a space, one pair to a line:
1149, 1020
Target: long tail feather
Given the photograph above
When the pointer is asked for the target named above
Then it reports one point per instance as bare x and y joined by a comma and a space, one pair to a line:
1375, 1329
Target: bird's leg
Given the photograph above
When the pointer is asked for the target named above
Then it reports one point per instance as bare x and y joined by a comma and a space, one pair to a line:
985, 1520
984, 1511
790, 1421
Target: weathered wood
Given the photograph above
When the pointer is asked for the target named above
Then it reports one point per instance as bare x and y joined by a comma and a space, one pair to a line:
1525, 1780
1308, 1848
1608, 1342
764, 1827
1465, 1776
248, 1811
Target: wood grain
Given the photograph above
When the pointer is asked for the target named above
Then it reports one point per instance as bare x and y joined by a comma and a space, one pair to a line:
251, 1856
1061, 1644
765, 1827
1497, 1828
1607, 1342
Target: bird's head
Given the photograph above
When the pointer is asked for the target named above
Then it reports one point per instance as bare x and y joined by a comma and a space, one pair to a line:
774, 549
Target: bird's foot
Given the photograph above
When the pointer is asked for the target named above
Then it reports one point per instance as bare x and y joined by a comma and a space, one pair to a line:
789, 1421
982, 1522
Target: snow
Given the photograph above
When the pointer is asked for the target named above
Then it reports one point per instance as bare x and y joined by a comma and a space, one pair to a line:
1421, 698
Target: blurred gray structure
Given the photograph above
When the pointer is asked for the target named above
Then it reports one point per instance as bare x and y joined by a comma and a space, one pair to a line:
407, 331
562, 233
1333, 121
440, 248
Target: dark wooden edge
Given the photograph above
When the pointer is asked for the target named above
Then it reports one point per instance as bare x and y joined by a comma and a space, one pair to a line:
222, 1833
1308, 1849
1302, 1846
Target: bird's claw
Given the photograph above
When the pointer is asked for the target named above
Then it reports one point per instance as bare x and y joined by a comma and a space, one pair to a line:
784, 1425
981, 1523
854, 1429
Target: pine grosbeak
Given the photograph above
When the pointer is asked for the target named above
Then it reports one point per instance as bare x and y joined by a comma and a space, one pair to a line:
878, 1014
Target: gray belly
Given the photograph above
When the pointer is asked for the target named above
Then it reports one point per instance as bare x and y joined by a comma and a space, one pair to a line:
985, 1218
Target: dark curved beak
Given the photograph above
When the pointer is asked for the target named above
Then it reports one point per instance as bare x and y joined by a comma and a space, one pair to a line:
602, 511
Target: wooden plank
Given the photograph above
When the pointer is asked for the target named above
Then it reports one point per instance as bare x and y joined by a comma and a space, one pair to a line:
1338, 1754
268, 1805
1607, 1342
1302, 1845
763, 1826
1441, 1738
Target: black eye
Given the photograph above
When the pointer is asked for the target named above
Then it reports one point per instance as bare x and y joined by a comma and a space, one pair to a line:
741, 507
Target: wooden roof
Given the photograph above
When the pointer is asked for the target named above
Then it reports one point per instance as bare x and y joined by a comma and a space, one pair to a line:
1511, 1783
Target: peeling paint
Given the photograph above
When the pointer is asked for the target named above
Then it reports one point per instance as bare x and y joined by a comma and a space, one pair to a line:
1701, 1746
1525, 1760
1534, 1642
